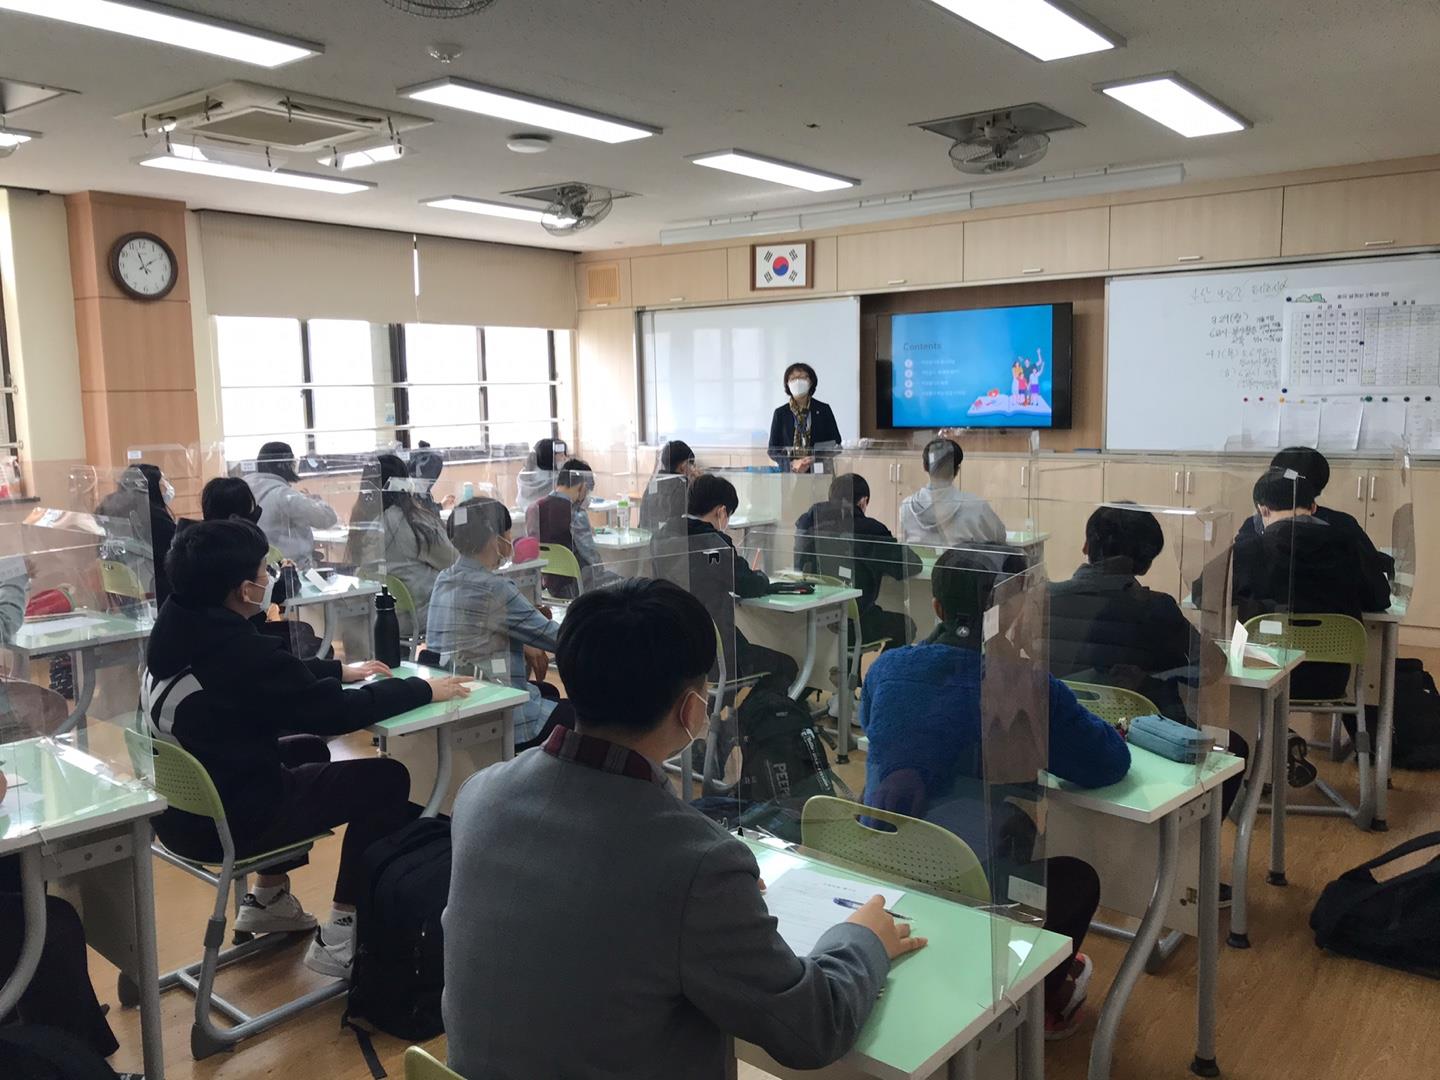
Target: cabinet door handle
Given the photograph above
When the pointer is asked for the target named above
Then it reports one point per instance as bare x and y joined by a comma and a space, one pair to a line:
1359, 489
1177, 481
1379, 243
1189, 483
897, 281
1190, 258
676, 300
1033, 270
1024, 476
1372, 487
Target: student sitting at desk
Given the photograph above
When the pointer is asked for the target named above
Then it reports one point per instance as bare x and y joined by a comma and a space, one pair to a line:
288, 516
668, 489
1299, 562
941, 515
479, 618
225, 693
713, 500
537, 479
671, 949
836, 535
562, 518
921, 709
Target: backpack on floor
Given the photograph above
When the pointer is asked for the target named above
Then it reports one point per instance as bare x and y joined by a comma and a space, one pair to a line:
399, 969
783, 756
33, 1052
1395, 923
1416, 742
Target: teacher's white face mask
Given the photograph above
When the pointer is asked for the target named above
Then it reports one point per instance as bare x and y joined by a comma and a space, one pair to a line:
799, 387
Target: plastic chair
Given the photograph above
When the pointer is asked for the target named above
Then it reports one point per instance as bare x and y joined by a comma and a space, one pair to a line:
917, 851
1113, 704
275, 555
186, 785
120, 580
1327, 639
419, 1065
404, 602
560, 561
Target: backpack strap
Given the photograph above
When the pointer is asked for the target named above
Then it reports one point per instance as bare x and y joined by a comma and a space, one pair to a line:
1326, 918
367, 1047
1409, 847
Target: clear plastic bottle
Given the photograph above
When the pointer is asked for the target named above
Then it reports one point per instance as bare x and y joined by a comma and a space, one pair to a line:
623, 513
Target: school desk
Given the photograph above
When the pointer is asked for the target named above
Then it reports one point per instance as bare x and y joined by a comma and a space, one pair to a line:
343, 595
107, 639
940, 1010
1115, 829
73, 822
1383, 628
825, 607
526, 576
487, 715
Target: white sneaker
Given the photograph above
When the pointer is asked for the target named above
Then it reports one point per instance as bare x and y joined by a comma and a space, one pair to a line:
333, 950
282, 915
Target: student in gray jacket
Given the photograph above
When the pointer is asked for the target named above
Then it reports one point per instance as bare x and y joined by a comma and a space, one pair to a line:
288, 517
941, 515
597, 926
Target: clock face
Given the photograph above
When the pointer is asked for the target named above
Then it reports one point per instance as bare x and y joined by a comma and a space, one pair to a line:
143, 266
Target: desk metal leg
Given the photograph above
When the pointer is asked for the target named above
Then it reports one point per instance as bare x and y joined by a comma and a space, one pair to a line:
1030, 1039
84, 673
1209, 935
507, 737
444, 764
847, 697
965, 1065
1102, 1050
1249, 810
812, 633
1279, 782
326, 632
1385, 728
143, 878
32, 887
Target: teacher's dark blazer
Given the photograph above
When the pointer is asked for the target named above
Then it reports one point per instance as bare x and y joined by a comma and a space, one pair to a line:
823, 430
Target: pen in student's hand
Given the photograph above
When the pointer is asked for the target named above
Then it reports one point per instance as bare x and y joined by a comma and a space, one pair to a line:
855, 905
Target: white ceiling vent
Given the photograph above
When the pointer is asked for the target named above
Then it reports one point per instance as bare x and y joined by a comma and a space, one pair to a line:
265, 116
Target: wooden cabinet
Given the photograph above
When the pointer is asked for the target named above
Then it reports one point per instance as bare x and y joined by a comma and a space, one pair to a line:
902, 257
602, 284
1372, 213
1207, 229
686, 277
1039, 245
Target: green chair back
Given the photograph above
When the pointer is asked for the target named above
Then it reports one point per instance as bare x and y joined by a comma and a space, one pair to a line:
421, 1066
179, 778
560, 561
1112, 704
275, 555
1326, 639
917, 851
120, 580
401, 592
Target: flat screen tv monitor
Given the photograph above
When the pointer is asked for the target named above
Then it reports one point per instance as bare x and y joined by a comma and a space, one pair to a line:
1006, 367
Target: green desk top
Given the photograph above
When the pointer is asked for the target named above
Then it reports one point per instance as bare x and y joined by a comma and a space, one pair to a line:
485, 698
622, 540
1154, 786
58, 791
940, 998
1262, 676
34, 637
823, 596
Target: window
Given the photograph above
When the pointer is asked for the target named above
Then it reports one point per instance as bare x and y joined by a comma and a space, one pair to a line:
333, 387
9, 434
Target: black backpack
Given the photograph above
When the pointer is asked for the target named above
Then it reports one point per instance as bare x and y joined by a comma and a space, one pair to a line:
1416, 741
399, 970
1395, 923
33, 1052
783, 756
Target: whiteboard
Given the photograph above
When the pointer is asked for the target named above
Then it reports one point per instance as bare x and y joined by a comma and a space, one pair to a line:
1200, 360
714, 376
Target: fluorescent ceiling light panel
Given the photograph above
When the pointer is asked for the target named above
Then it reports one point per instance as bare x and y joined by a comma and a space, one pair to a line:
482, 206
357, 159
172, 26
776, 172
1168, 99
530, 111
201, 166
13, 137
1043, 29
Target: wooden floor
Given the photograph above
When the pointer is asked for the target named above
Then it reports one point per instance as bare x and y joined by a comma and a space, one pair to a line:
1286, 1010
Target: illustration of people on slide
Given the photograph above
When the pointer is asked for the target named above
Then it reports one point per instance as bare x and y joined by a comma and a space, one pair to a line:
1017, 380
1025, 394
1032, 375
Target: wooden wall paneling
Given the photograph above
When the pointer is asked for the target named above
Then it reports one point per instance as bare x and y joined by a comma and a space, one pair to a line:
1213, 228
822, 274
118, 420
902, 257
126, 345
686, 277
605, 377
99, 218
1038, 245
603, 284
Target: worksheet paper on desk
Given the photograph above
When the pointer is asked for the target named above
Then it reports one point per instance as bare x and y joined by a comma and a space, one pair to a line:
804, 903
63, 624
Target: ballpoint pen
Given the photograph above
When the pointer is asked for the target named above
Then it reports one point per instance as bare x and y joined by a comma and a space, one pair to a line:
855, 905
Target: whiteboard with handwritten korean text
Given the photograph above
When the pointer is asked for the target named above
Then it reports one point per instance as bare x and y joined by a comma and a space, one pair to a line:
1343, 353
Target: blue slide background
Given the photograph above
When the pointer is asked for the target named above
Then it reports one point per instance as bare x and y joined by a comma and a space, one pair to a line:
977, 350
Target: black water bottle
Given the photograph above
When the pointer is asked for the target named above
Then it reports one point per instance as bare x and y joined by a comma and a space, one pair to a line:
387, 630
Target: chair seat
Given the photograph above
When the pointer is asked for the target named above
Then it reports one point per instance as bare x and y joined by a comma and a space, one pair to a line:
246, 865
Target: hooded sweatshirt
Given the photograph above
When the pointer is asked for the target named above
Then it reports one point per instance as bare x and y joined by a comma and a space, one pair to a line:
289, 518
532, 484
226, 693
944, 516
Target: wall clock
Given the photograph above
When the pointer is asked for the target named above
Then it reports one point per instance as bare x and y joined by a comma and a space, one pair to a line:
143, 266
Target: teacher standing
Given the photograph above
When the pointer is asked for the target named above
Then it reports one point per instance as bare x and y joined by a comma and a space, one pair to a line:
803, 429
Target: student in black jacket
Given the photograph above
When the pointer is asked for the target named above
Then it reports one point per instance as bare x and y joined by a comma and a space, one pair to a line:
837, 538
224, 692
712, 501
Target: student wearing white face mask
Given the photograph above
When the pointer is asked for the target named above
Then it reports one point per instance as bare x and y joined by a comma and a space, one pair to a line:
577, 872
803, 431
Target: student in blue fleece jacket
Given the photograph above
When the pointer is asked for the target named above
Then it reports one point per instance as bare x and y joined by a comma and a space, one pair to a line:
921, 709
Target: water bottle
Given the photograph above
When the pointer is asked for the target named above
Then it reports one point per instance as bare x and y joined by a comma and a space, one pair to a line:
387, 630
623, 512
467, 491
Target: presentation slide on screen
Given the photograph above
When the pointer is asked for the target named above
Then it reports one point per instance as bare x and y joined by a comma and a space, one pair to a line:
984, 368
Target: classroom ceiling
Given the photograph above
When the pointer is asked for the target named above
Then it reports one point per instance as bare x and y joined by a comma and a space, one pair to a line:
833, 84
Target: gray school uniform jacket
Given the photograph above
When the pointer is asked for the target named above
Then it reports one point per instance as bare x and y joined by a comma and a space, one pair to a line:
289, 518
598, 927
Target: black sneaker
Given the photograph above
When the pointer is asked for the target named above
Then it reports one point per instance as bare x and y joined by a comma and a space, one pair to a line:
1227, 896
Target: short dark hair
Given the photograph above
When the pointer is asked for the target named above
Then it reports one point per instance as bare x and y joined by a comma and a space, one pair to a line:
710, 491
211, 558
153, 477
941, 458
807, 371
1114, 532
849, 488
1309, 463
1276, 490
475, 522
963, 581
573, 472
674, 454
227, 497
627, 652
277, 459
545, 455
